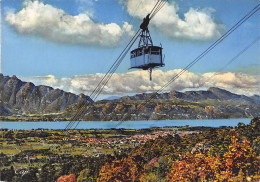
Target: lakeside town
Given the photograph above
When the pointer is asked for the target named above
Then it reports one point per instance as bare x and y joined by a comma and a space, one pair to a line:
87, 142
85, 155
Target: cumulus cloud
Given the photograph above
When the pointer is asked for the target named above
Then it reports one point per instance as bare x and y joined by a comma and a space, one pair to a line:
138, 82
37, 18
196, 24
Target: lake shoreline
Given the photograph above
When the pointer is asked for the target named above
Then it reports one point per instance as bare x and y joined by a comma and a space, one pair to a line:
4, 119
25, 125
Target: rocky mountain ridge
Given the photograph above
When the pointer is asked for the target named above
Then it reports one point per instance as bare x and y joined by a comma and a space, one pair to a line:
18, 97
213, 93
24, 98
214, 103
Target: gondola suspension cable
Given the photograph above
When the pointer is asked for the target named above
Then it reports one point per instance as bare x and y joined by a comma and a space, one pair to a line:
240, 22
86, 104
105, 79
155, 6
119, 62
209, 49
159, 4
119, 56
100, 87
232, 29
121, 53
158, 8
93, 94
110, 75
231, 61
115, 64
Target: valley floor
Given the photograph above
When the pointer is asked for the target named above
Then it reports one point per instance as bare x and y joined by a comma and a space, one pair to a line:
151, 154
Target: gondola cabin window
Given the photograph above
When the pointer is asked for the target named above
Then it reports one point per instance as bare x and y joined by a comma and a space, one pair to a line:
146, 57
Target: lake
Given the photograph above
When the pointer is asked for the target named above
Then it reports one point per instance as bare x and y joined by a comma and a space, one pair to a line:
124, 124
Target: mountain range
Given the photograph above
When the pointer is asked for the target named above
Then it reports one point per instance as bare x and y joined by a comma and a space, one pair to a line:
18, 98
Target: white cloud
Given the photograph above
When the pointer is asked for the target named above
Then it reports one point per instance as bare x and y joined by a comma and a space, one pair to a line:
54, 24
196, 24
138, 82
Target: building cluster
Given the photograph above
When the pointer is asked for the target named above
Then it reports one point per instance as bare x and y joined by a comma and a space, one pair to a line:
119, 142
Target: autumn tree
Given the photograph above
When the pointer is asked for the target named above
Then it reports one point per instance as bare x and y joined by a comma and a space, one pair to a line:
125, 169
119, 107
195, 167
159, 107
68, 178
155, 170
106, 108
238, 162
168, 146
140, 107
240, 158
209, 109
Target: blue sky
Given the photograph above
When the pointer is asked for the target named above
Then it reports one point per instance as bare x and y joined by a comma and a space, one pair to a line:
30, 51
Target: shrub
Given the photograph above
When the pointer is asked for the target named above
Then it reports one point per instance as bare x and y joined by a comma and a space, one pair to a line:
68, 178
126, 169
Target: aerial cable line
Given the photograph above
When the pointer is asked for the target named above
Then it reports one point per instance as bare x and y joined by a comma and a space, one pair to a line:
232, 29
97, 88
108, 75
115, 65
155, 6
105, 79
119, 56
159, 4
99, 84
118, 63
112, 65
158, 8
232, 60
208, 50
240, 22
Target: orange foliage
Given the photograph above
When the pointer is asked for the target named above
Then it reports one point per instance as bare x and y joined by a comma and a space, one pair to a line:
126, 169
240, 161
194, 167
68, 178
209, 109
119, 107
159, 107
105, 109
140, 107
240, 158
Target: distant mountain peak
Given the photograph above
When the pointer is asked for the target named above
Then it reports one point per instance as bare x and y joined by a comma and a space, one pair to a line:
24, 97
216, 89
14, 77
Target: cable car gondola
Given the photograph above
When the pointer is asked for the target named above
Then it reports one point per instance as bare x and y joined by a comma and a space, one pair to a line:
146, 56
